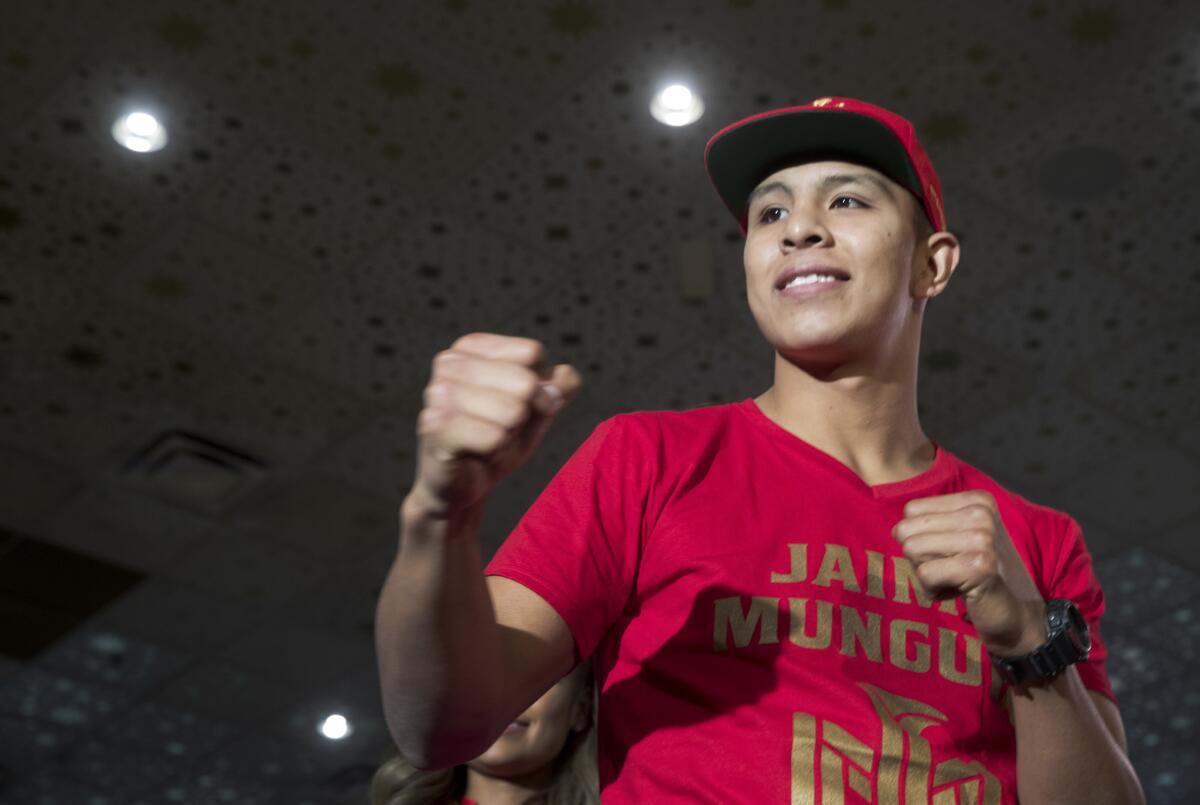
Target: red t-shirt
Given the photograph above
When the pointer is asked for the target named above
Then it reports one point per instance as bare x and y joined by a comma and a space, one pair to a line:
756, 632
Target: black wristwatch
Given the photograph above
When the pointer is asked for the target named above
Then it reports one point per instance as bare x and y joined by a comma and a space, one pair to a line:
1067, 643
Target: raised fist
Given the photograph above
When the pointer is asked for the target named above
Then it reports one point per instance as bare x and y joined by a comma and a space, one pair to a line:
487, 406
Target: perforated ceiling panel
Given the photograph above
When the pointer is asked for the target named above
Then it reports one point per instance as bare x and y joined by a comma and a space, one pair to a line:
349, 187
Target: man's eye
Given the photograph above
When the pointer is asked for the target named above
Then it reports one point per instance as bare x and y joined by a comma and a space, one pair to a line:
770, 215
847, 201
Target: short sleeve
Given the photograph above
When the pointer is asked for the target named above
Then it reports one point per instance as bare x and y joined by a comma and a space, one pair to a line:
578, 545
1073, 578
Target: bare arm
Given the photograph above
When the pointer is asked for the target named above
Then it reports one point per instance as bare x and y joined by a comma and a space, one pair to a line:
459, 655
1071, 746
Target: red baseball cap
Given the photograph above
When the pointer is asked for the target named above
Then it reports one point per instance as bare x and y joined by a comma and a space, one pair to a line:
744, 153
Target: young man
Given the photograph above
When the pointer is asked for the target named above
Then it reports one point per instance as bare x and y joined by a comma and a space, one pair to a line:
796, 598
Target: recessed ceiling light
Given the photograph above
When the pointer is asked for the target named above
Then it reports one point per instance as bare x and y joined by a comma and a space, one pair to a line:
335, 727
676, 105
140, 131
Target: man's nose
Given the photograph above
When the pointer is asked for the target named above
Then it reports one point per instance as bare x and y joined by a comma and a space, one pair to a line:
806, 230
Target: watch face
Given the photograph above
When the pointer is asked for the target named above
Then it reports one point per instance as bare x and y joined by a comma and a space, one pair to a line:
1079, 626
1062, 616
1056, 618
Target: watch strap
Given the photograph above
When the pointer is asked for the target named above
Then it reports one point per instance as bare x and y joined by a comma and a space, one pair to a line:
1067, 643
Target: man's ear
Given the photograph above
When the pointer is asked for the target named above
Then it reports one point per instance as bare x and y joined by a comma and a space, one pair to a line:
938, 260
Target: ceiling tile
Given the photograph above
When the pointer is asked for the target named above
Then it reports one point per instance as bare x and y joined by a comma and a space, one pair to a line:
299, 655
244, 565
122, 771
378, 456
27, 743
224, 692
97, 655
1153, 382
1161, 481
65, 704
282, 197
1180, 544
964, 381
1062, 317
214, 283
32, 486
123, 527
178, 615
75, 122
321, 518
1141, 586
64, 229
1047, 439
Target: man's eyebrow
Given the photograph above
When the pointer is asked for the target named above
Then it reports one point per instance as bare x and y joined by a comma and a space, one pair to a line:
827, 182
769, 187
837, 179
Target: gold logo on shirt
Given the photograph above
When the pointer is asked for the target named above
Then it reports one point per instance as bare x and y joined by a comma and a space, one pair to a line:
827, 760
810, 622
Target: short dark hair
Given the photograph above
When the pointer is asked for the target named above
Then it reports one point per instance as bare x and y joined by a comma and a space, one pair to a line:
922, 227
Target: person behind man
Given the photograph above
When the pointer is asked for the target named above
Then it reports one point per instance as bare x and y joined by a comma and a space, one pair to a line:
546, 756
794, 598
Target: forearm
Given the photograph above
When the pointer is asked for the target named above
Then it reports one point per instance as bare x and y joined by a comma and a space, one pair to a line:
435, 631
1065, 752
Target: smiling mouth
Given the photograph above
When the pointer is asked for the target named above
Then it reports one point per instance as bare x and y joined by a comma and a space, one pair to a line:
796, 278
811, 279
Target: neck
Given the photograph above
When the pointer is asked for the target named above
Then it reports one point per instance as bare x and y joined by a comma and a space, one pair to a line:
488, 790
864, 415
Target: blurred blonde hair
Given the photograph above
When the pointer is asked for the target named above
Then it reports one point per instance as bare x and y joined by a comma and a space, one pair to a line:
398, 782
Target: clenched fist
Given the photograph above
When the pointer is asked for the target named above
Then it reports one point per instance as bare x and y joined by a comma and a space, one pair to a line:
959, 547
487, 406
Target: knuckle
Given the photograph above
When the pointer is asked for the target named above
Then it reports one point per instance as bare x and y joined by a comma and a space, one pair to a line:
491, 436
980, 515
430, 421
981, 540
467, 340
535, 351
518, 410
526, 385
982, 563
983, 498
510, 411
443, 359
438, 391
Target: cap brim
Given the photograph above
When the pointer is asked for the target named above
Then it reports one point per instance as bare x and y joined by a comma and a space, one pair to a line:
739, 158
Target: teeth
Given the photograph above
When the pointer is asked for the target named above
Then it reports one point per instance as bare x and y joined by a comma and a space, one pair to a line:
810, 279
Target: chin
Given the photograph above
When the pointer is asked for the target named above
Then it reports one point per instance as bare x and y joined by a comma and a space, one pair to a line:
797, 332
507, 764
824, 346
497, 763
503, 752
